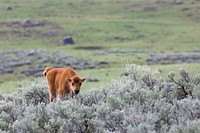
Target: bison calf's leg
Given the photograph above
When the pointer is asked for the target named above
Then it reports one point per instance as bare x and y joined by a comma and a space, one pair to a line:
52, 93
52, 98
60, 94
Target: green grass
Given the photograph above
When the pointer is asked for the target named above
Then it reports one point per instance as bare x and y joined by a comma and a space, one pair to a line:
97, 23
149, 25
104, 75
13, 85
192, 69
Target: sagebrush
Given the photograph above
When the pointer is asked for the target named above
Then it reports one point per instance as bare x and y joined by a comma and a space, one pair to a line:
140, 102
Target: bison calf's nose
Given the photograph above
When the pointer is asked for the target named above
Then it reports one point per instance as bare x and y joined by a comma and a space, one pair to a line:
77, 91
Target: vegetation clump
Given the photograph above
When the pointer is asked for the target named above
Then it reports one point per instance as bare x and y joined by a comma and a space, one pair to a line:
140, 102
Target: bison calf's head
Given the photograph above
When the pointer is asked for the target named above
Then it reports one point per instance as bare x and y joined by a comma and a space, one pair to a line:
75, 85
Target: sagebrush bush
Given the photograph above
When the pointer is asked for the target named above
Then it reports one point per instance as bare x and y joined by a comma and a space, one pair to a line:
139, 102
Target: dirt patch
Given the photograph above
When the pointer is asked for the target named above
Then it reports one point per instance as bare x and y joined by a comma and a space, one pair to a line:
89, 47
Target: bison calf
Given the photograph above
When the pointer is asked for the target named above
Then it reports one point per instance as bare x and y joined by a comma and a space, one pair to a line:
62, 81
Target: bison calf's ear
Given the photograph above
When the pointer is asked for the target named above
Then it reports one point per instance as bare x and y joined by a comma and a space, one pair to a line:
83, 79
69, 80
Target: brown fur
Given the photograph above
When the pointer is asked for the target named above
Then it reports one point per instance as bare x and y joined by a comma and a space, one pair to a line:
64, 81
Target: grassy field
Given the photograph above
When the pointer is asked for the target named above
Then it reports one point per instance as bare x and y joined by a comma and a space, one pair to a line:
150, 25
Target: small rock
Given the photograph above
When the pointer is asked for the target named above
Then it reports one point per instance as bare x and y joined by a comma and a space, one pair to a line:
39, 23
68, 40
31, 53
103, 62
121, 38
8, 8
117, 37
124, 74
185, 9
150, 8
177, 2
92, 80
26, 23
140, 36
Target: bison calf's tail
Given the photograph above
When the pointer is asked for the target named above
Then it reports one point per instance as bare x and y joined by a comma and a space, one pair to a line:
46, 70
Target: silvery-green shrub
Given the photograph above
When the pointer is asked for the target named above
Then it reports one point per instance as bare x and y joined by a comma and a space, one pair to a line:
139, 102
